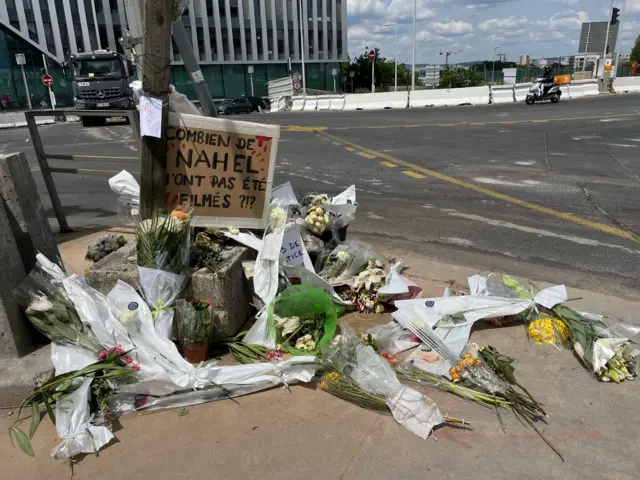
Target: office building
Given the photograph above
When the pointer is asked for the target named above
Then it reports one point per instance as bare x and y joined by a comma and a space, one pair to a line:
524, 60
592, 42
227, 37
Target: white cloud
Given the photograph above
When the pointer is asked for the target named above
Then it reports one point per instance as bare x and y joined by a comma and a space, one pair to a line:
451, 28
633, 6
567, 19
502, 24
399, 11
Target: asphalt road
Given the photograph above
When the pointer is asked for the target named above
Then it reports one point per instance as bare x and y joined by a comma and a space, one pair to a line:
544, 191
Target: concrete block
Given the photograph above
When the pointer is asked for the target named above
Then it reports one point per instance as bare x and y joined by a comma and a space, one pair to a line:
20, 376
27, 218
17, 336
227, 289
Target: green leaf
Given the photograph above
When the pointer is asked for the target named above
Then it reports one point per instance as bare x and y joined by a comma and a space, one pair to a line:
516, 287
35, 418
52, 416
182, 411
22, 440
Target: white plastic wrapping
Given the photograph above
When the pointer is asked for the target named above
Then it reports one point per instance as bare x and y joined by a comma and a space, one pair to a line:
179, 103
73, 424
341, 208
393, 338
161, 290
128, 191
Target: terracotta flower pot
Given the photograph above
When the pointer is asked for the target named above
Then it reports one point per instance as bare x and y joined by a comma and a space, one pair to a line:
196, 353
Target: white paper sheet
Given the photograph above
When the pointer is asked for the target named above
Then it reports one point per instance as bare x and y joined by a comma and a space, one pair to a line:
150, 117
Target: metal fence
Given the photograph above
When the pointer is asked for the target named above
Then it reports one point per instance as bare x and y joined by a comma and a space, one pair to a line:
44, 157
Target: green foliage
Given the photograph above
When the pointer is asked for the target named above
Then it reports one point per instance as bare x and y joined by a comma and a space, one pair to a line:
634, 57
384, 73
457, 77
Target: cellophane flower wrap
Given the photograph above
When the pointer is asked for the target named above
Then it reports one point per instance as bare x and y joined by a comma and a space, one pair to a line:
347, 355
163, 263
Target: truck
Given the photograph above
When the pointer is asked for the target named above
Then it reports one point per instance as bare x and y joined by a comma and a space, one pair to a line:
100, 81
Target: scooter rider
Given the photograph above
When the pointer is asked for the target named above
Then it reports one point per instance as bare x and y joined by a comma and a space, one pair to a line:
547, 80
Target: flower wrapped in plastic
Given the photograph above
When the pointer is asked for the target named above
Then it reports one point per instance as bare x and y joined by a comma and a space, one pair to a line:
163, 263
362, 365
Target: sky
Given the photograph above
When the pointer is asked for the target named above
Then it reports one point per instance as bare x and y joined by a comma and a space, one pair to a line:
471, 28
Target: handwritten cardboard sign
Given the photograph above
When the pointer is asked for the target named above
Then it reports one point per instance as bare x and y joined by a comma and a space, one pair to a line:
222, 168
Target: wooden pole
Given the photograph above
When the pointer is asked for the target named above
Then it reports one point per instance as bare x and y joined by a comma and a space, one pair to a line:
156, 71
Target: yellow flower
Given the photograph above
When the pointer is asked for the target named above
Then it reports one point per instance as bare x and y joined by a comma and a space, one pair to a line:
547, 329
333, 376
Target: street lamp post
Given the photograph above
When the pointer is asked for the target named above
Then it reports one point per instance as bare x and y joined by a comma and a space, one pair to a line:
493, 68
302, 30
395, 53
413, 66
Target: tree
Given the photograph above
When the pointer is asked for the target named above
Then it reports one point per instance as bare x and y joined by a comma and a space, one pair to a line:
634, 57
384, 72
459, 77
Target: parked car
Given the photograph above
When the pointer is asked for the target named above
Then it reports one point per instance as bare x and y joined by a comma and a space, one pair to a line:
233, 105
256, 102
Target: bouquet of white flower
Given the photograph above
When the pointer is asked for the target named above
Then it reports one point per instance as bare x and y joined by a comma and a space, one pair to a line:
50, 310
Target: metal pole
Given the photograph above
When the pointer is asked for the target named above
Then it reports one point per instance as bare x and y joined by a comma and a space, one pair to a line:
373, 75
191, 64
586, 49
396, 61
334, 83
606, 38
26, 87
251, 77
304, 77
413, 63
615, 50
51, 95
493, 68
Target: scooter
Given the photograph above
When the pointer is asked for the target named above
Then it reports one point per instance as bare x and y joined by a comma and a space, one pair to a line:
553, 93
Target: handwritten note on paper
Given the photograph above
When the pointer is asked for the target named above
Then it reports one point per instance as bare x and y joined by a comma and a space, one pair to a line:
150, 116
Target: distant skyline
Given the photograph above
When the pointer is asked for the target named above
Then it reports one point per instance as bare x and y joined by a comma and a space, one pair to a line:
471, 28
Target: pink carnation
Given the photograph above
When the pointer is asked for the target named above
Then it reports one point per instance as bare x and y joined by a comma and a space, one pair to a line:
135, 367
128, 359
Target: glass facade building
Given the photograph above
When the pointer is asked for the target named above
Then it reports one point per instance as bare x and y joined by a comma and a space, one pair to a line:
227, 36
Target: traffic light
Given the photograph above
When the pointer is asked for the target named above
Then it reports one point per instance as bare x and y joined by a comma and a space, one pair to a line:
615, 12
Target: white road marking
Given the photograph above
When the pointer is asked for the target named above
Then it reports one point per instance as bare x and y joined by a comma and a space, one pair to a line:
558, 154
544, 233
461, 242
495, 181
633, 139
610, 119
525, 163
620, 145
373, 216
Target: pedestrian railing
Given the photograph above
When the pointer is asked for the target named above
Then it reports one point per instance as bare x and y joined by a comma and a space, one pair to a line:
44, 157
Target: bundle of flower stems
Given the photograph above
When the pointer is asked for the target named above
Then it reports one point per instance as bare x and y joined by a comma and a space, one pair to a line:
341, 387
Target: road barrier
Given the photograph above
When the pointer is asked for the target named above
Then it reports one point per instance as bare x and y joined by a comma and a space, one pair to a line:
583, 88
324, 102
297, 104
520, 91
502, 94
376, 101
43, 157
564, 90
337, 102
449, 97
626, 84
310, 103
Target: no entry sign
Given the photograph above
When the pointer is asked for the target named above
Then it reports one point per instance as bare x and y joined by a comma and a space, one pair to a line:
372, 55
47, 80
296, 85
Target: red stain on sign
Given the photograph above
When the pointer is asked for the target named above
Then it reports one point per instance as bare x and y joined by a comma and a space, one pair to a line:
262, 140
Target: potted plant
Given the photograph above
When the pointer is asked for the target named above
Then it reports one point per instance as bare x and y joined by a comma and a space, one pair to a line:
195, 328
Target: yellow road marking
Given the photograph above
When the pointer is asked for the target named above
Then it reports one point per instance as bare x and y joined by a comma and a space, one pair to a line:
350, 149
366, 155
296, 128
388, 164
413, 174
491, 193
337, 143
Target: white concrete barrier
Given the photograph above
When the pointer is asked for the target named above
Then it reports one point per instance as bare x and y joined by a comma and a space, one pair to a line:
376, 101
310, 104
588, 88
502, 94
576, 90
449, 97
324, 102
297, 104
564, 90
520, 91
626, 84
337, 103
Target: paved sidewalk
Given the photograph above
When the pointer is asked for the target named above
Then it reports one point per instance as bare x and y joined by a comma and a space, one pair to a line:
307, 433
